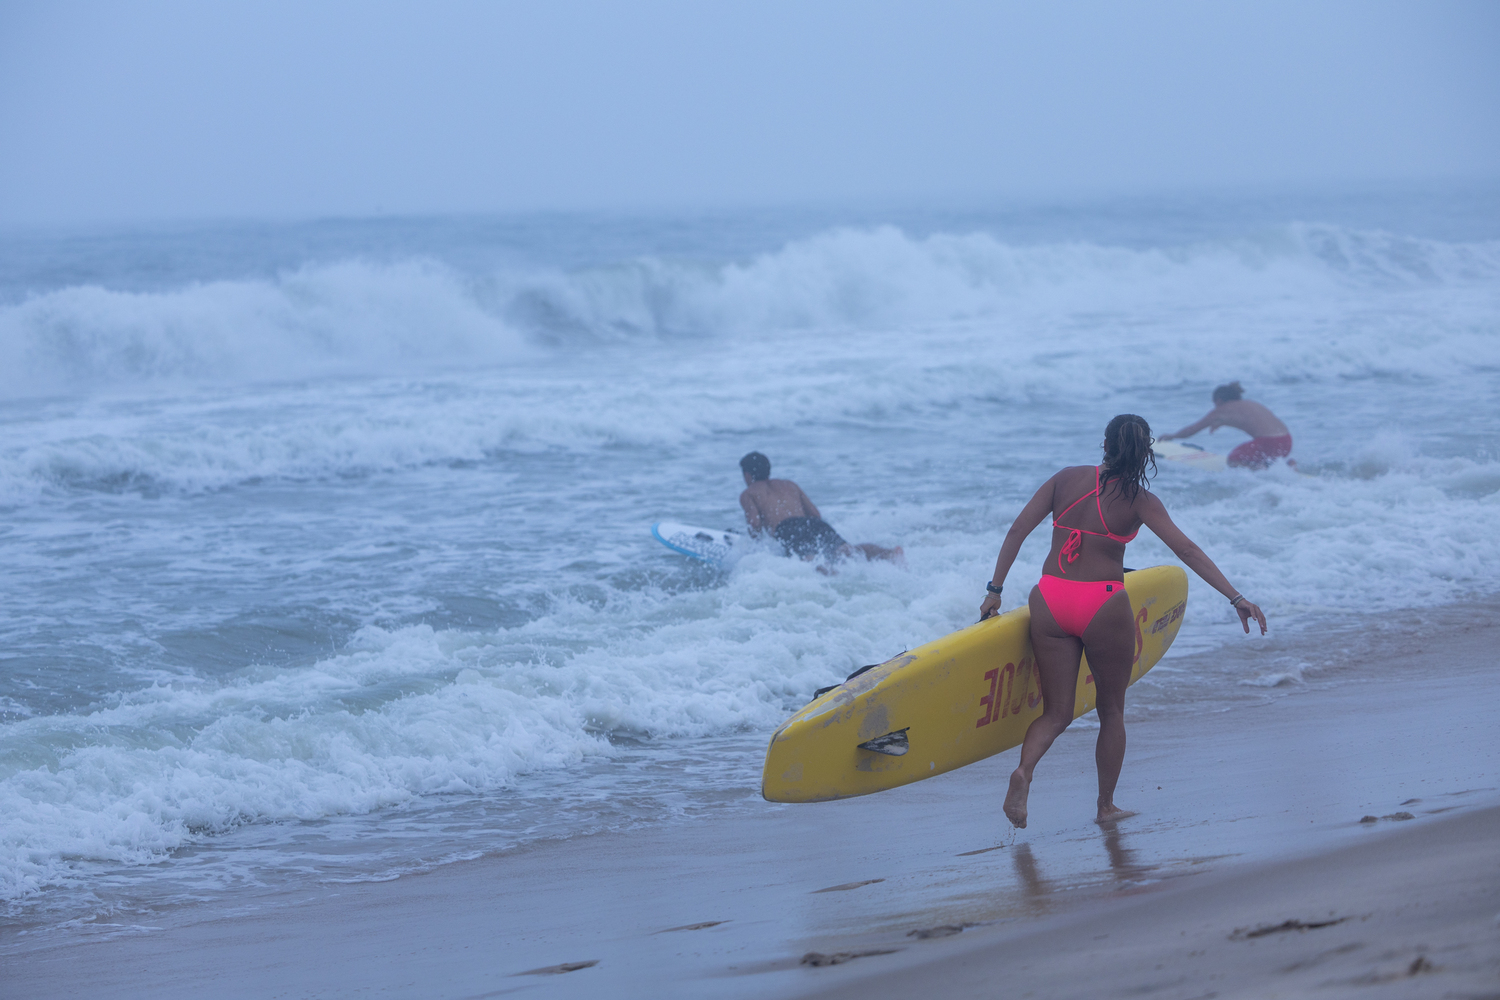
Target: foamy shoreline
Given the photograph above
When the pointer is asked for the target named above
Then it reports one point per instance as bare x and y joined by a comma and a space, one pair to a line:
730, 907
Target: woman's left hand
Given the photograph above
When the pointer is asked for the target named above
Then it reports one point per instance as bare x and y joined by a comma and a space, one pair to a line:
991, 606
1248, 611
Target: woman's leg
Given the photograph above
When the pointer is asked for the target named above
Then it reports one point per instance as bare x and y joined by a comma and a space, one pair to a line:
1110, 642
1057, 655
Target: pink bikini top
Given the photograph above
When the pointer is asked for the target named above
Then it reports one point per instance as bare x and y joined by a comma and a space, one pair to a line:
1075, 535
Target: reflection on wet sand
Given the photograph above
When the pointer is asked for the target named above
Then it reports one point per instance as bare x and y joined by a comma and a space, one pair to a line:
1037, 889
1122, 859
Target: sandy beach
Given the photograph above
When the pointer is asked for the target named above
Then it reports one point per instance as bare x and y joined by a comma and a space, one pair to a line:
1249, 818
1414, 911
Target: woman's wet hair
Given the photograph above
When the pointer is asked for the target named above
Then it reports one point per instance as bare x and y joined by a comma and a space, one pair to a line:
756, 466
1229, 391
1127, 453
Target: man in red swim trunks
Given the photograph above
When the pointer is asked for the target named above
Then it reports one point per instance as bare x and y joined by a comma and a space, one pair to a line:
1269, 438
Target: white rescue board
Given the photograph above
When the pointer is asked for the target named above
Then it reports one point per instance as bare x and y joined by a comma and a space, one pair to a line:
1186, 453
715, 546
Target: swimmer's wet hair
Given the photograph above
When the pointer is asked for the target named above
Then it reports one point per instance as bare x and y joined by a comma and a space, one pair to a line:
1229, 391
756, 466
1127, 452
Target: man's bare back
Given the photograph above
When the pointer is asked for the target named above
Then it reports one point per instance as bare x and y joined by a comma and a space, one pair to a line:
768, 502
779, 508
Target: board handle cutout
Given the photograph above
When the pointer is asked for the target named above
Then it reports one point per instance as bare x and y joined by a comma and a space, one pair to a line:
891, 744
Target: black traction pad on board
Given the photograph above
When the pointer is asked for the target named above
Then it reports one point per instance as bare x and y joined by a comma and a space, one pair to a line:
820, 692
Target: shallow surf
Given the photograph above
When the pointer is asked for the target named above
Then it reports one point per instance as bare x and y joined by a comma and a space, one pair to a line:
335, 564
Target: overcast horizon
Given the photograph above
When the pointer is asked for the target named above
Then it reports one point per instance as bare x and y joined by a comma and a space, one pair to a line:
175, 112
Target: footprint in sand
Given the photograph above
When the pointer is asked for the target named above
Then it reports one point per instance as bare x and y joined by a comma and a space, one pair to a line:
694, 927
1245, 933
944, 930
848, 885
555, 970
817, 959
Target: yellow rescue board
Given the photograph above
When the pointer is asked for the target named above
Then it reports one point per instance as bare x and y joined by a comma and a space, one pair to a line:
963, 698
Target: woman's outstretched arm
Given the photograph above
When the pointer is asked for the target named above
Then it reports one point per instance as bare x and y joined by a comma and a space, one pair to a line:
1154, 515
1025, 523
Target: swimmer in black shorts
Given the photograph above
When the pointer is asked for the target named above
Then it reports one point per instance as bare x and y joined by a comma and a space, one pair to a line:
778, 507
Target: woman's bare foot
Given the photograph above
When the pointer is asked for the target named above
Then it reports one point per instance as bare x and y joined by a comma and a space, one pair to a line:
1109, 812
1015, 799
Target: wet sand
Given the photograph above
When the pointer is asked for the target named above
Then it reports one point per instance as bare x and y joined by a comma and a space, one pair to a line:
1413, 911
1250, 817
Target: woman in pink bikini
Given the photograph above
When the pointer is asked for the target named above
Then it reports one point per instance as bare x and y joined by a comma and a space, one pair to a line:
1080, 604
1269, 438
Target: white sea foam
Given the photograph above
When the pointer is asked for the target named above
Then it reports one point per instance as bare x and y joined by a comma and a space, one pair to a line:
412, 711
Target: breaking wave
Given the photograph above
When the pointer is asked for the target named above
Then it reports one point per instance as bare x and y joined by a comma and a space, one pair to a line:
363, 318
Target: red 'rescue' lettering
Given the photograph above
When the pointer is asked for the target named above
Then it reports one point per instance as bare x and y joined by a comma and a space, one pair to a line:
1022, 673
1023, 680
1140, 640
1008, 677
988, 701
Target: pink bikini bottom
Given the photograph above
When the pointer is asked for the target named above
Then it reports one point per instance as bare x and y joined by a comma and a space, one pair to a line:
1074, 603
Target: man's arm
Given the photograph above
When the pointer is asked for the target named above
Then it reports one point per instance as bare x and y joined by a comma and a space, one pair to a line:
752, 513
1195, 426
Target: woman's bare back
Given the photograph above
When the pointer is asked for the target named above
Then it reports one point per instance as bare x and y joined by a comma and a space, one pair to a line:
1099, 557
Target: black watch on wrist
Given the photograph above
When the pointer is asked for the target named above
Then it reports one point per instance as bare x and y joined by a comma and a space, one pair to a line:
990, 586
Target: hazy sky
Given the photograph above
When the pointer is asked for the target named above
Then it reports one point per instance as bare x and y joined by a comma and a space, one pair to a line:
147, 110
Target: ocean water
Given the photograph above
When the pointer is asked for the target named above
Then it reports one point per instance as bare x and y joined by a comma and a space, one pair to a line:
325, 545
